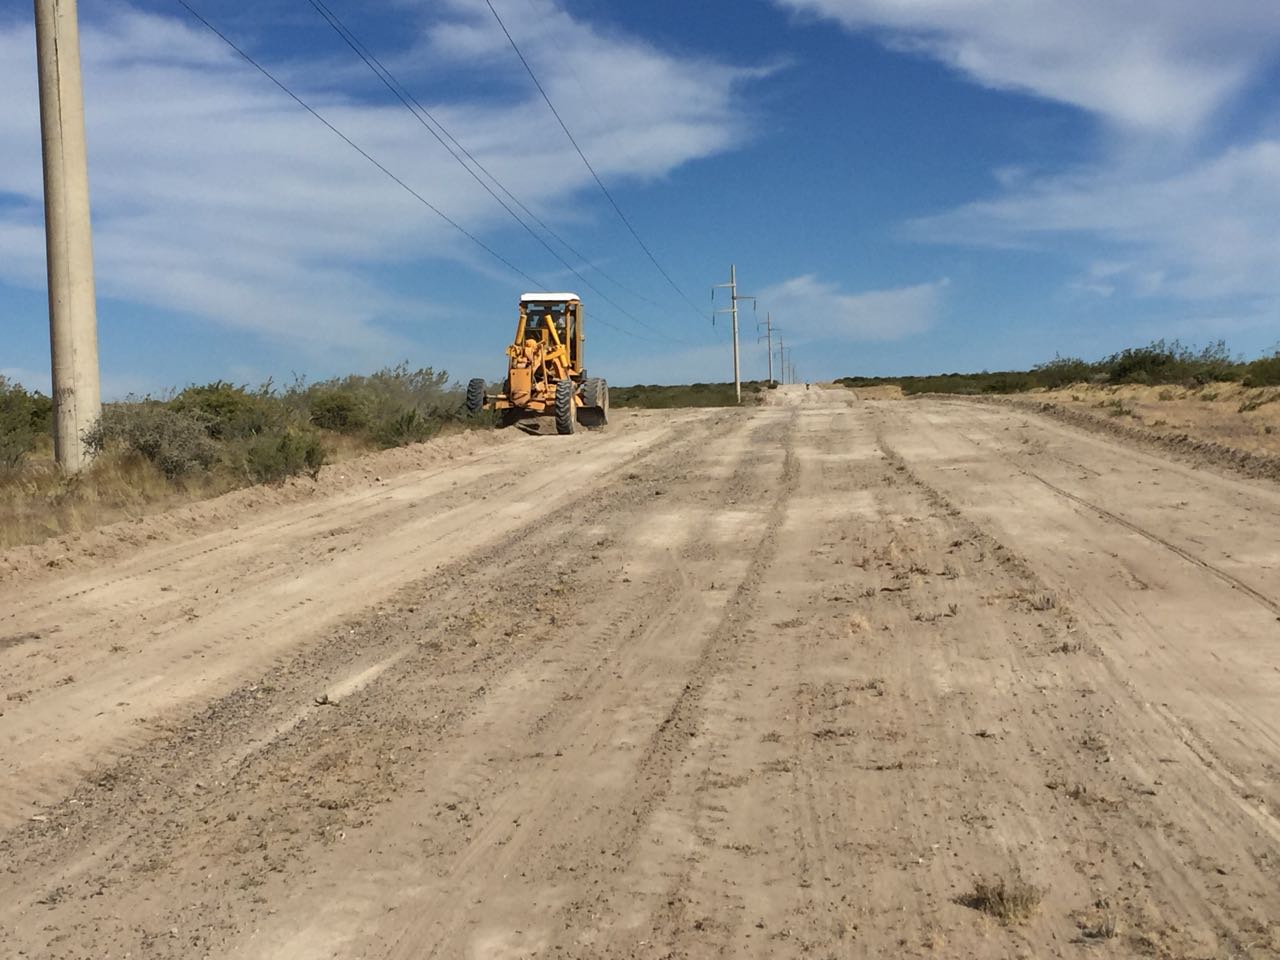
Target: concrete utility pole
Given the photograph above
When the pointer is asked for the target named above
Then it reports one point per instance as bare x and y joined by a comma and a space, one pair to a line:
768, 327
73, 321
782, 367
733, 308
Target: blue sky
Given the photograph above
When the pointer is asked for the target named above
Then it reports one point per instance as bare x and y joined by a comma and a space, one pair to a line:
907, 185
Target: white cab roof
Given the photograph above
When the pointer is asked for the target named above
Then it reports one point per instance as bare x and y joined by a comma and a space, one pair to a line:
548, 297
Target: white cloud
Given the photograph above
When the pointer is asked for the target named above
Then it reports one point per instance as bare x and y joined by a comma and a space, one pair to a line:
1209, 231
216, 196
1160, 67
812, 309
1164, 215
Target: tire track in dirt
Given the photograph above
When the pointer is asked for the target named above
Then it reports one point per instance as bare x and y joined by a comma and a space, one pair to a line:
1232, 581
591, 923
1189, 814
1219, 768
66, 714
447, 589
649, 775
479, 676
769, 691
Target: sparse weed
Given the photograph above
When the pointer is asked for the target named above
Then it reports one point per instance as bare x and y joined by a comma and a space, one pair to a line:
1010, 899
1099, 922
1256, 400
1042, 602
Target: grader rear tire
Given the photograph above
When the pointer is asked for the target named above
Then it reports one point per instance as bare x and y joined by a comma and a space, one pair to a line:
565, 412
475, 396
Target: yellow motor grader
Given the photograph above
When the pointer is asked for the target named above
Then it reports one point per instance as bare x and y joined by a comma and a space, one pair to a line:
545, 374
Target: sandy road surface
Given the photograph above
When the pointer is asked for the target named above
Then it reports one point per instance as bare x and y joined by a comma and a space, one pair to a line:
778, 682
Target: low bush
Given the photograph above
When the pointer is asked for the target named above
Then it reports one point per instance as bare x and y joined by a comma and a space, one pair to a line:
406, 427
1160, 362
271, 458
341, 410
383, 395
1263, 372
659, 397
1171, 362
177, 442
1063, 372
230, 412
24, 417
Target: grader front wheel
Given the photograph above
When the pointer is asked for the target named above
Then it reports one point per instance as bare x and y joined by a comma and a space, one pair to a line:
475, 396
565, 419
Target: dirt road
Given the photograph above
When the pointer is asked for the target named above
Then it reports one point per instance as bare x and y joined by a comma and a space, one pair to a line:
784, 682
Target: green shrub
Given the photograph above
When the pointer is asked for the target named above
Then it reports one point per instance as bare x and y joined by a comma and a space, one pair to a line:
24, 417
655, 397
231, 412
1063, 372
1171, 362
270, 458
1263, 372
385, 394
340, 410
406, 427
176, 441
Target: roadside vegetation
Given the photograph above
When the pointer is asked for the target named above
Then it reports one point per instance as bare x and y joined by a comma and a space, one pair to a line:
155, 452
1160, 363
655, 397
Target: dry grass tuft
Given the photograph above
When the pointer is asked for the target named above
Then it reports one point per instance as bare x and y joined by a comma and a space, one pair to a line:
1009, 899
38, 501
1043, 601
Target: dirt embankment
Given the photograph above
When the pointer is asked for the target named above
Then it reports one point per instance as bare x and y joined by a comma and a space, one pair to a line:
822, 677
1225, 425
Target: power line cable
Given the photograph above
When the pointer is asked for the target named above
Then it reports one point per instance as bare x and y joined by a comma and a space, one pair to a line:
357, 148
538, 284
431, 123
600, 183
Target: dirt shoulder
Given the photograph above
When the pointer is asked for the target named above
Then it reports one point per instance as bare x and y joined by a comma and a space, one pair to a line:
113, 541
1224, 425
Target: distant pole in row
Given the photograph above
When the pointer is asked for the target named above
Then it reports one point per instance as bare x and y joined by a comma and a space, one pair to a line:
768, 328
733, 309
73, 321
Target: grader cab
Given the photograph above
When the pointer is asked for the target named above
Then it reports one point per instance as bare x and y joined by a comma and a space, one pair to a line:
545, 371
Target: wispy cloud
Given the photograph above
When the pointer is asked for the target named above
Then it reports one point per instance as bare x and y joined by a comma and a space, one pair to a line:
820, 310
218, 197
1164, 210
1209, 231
1160, 68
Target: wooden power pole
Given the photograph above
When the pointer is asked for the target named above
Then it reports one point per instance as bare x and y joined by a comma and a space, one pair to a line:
73, 321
